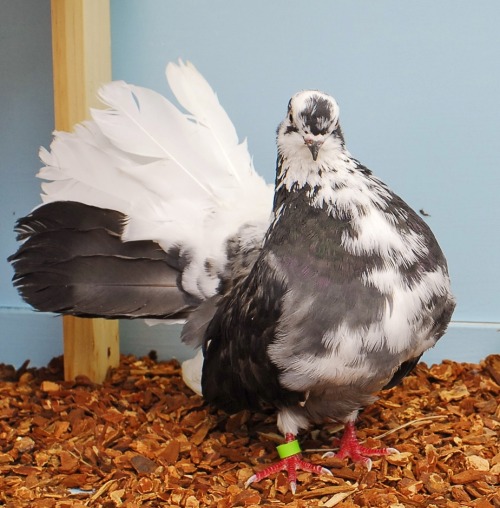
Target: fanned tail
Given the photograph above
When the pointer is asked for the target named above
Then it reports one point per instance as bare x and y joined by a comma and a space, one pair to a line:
145, 210
74, 262
183, 180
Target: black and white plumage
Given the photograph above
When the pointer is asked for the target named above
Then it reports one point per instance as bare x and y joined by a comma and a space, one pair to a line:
350, 287
311, 304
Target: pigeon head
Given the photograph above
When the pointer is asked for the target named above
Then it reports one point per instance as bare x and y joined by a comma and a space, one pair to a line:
310, 124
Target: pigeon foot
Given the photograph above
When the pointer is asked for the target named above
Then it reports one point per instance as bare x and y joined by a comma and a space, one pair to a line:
351, 447
291, 462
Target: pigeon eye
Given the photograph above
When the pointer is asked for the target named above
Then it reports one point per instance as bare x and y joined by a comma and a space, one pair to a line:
290, 117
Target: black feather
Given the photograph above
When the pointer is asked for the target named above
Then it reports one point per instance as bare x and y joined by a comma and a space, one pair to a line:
69, 215
73, 261
237, 371
404, 369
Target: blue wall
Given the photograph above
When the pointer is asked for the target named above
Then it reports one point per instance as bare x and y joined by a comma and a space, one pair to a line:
418, 85
26, 123
26, 118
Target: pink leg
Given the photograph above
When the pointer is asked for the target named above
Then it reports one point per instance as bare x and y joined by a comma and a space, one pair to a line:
351, 447
291, 464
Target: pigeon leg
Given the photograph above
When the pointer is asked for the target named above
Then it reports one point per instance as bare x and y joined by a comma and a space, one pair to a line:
291, 461
351, 447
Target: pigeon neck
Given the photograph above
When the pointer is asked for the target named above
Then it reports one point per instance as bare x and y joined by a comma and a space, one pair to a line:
336, 182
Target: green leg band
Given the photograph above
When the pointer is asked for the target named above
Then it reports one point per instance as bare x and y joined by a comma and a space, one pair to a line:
288, 449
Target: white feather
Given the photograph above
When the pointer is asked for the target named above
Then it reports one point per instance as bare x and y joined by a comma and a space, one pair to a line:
192, 371
205, 109
184, 180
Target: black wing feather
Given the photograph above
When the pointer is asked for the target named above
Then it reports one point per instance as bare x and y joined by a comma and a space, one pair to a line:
237, 371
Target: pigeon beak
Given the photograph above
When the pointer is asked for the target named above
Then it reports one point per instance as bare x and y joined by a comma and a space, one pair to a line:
314, 147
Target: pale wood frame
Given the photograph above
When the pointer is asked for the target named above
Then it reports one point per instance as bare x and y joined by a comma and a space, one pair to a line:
81, 47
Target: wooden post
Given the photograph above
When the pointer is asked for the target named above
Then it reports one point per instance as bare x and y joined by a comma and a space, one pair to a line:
81, 49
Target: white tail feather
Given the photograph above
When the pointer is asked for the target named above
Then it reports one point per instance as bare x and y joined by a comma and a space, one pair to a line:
197, 97
144, 123
183, 179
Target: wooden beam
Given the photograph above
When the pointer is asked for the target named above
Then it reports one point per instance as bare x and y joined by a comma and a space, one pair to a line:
81, 47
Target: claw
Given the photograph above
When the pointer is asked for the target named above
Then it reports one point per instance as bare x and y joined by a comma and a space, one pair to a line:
250, 480
367, 463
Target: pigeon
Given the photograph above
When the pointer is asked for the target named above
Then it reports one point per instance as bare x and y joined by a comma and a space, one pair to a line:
309, 296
